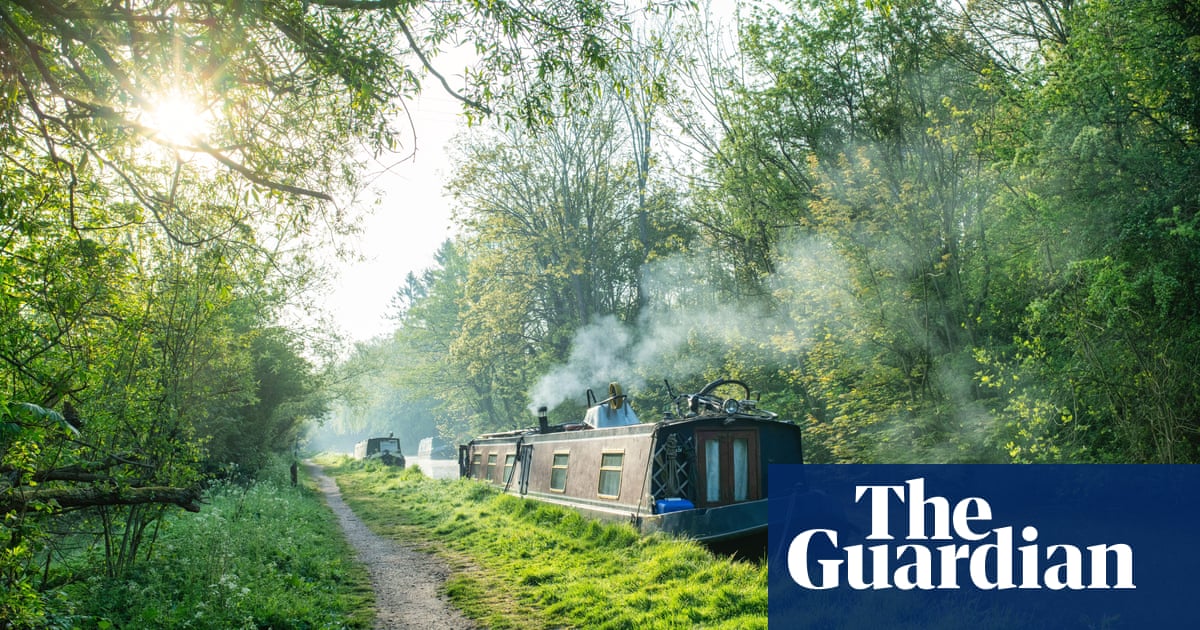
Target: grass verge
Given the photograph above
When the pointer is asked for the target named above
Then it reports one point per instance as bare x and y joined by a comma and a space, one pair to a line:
261, 556
523, 564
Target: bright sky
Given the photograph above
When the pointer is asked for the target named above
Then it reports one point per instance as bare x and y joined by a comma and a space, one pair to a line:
406, 228
413, 218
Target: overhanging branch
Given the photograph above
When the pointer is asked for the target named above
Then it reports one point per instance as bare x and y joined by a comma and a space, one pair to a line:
412, 43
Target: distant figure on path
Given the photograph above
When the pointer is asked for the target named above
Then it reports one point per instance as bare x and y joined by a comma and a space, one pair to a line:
294, 469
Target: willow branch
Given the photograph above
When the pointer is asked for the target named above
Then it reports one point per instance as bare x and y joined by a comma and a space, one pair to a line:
412, 43
251, 175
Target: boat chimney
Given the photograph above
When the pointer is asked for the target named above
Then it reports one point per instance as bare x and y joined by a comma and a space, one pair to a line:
543, 423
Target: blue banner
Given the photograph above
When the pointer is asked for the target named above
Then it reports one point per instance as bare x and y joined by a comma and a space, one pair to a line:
982, 546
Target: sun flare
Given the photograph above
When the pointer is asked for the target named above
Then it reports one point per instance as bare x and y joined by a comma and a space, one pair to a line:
176, 119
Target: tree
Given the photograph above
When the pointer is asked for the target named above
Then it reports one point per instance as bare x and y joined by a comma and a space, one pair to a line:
643, 77
854, 126
416, 383
553, 240
1103, 147
86, 78
288, 395
429, 325
742, 198
165, 169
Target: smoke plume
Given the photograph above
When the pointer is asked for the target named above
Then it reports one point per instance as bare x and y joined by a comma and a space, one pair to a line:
686, 330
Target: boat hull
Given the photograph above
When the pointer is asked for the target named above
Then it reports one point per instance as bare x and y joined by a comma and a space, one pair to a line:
715, 524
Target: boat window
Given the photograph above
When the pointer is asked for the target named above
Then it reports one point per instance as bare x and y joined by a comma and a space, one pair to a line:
476, 461
741, 469
712, 471
509, 460
558, 472
491, 466
610, 474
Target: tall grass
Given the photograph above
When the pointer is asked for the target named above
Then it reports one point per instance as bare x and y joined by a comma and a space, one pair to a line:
265, 555
522, 564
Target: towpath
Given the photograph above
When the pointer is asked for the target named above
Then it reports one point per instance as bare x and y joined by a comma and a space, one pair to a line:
406, 581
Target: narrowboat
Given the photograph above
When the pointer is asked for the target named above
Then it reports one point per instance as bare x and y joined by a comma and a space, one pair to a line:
700, 471
385, 449
435, 448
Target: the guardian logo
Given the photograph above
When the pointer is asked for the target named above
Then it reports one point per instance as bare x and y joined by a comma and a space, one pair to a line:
949, 546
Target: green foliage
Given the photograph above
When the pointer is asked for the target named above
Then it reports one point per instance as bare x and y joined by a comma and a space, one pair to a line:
22, 428
552, 242
288, 394
263, 555
1007, 196
148, 253
554, 249
1103, 192
962, 233
858, 135
145, 366
85, 80
536, 565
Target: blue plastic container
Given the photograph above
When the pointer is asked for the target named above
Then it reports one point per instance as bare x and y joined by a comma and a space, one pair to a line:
662, 506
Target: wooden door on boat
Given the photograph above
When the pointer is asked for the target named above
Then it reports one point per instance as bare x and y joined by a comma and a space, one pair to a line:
727, 466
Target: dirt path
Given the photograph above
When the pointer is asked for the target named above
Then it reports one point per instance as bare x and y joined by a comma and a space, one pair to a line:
406, 581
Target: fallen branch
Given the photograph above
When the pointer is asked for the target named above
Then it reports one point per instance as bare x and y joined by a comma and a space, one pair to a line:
67, 498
